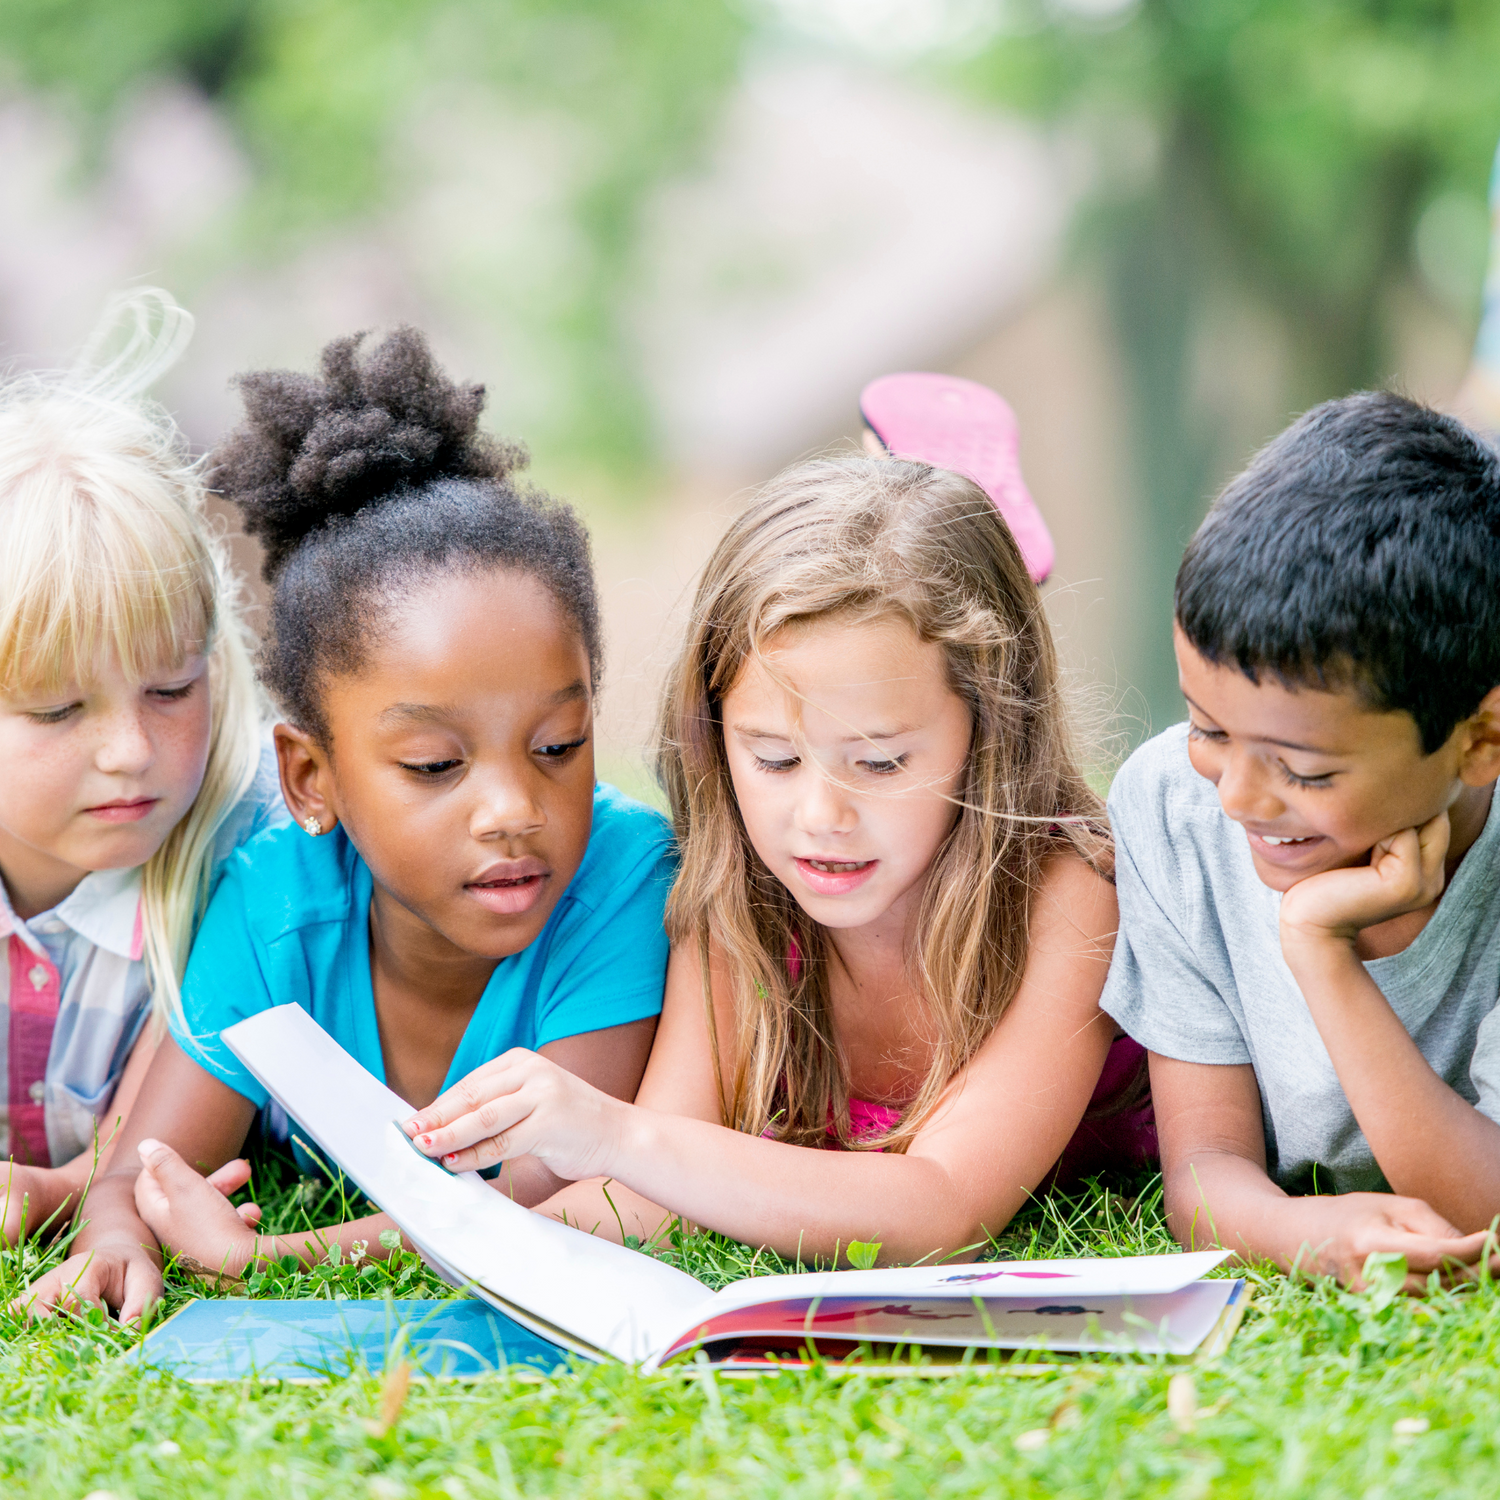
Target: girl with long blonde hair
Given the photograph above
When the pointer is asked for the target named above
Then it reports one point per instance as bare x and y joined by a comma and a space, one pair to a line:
894, 912
130, 744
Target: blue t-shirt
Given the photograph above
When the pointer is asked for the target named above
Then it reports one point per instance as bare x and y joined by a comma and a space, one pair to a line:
290, 922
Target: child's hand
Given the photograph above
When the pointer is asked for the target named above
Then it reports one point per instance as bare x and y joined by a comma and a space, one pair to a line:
1344, 1230
126, 1277
1405, 873
191, 1216
520, 1104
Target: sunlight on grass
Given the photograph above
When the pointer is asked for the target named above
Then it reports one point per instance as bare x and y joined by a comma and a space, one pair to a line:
1322, 1393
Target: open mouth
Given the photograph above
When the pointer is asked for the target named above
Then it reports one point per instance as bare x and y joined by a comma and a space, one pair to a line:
834, 877
1280, 848
510, 888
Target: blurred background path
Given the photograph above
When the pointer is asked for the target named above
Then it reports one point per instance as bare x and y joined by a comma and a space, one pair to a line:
675, 237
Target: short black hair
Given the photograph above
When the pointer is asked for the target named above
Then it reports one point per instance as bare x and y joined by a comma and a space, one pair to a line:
1360, 548
363, 483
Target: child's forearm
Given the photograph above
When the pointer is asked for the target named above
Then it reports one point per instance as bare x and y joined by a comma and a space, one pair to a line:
1215, 1197
1218, 1198
525, 1180
1430, 1142
311, 1246
610, 1210
792, 1199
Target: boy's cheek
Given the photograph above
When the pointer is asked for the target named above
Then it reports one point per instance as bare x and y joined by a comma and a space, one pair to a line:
1203, 760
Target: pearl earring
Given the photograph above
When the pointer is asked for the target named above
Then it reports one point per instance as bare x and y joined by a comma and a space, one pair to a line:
313, 825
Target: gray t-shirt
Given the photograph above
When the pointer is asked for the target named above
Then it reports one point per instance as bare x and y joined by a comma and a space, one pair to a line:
1198, 973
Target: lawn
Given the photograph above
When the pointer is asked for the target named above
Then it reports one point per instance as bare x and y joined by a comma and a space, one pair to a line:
1321, 1393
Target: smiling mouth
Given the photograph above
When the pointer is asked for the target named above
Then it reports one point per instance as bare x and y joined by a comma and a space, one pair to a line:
839, 866
1266, 838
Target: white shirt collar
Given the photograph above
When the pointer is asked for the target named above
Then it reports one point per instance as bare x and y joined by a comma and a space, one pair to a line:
103, 907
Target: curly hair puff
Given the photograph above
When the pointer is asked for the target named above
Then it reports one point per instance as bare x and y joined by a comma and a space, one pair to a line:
367, 480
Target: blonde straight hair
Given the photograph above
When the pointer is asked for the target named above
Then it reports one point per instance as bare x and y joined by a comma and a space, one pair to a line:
105, 551
863, 538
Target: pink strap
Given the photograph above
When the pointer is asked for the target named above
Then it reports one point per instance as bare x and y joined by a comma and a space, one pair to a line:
35, 990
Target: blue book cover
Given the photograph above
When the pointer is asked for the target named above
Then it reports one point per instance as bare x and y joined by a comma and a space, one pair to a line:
230, 1338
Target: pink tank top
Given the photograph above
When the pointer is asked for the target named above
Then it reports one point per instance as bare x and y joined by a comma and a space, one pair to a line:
1124, 1141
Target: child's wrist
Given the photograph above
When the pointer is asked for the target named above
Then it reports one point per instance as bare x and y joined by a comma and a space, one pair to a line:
638, 1139
1318, 951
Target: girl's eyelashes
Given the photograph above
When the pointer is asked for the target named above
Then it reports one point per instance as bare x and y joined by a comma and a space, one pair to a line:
53, 715
1198, 732
67, 710
875, 767
762, 764
562, 751
430, 768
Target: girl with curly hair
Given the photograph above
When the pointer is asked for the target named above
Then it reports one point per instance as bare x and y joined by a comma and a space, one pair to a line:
894, 913
131, 756
455, 883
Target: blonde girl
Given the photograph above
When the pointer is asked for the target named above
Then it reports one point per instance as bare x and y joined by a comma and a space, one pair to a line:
130, 749
894, 913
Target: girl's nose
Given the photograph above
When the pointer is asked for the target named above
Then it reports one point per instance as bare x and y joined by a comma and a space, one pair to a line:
125, 745
505, 808
824, 806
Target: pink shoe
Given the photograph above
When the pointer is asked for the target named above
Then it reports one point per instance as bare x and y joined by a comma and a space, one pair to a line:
960, 425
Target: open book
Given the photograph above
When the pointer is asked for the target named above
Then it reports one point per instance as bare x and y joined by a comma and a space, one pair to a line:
604, 1301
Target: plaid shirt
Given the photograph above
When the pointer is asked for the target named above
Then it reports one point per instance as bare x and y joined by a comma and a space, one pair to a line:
74, 997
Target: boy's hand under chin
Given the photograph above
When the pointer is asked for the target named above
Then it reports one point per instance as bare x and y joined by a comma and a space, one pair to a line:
190, 1215
1326, 913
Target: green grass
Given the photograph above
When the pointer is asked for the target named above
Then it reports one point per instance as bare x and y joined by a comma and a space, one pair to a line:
1323, 1393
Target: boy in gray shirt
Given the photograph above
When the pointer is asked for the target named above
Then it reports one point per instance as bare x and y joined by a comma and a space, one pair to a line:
1309, 869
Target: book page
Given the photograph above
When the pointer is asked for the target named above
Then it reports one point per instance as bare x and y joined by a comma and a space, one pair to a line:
1127, 1275
590, 1294
1172, 1323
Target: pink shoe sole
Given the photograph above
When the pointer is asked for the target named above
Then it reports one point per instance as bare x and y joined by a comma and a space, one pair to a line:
960, 425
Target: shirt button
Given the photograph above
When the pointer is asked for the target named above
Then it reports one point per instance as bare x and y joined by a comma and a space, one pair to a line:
37, 1091
38, 977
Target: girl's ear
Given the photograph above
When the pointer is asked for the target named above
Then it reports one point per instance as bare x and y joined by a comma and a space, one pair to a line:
1481, 759
306, 779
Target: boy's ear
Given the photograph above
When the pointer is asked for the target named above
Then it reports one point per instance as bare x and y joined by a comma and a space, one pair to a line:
306, 777
1481, 758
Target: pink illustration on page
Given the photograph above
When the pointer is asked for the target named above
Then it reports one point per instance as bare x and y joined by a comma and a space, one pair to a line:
1022, 1275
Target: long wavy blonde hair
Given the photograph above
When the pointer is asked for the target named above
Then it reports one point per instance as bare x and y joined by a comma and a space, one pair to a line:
868, 538
105, 550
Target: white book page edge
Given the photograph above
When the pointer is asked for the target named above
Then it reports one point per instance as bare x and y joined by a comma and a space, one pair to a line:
1127, 1275
606, 1297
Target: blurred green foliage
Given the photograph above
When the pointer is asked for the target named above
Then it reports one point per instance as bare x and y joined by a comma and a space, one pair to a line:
325, 93
1308, 156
